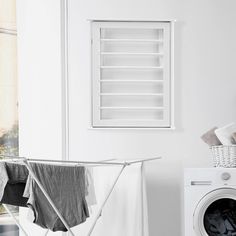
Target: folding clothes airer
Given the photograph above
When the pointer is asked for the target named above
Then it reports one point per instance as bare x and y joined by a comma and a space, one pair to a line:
113, 162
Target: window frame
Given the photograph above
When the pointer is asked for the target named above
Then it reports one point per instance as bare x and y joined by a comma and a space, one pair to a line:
96, 122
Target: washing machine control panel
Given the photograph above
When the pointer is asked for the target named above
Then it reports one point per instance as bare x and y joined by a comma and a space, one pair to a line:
225, 176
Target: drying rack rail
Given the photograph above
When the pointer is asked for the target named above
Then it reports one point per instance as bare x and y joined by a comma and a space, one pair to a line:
109, 162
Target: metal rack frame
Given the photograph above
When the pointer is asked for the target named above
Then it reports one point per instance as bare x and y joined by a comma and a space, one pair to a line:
111, 162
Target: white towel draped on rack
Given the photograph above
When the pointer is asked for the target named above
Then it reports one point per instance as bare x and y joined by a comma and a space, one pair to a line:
106, 163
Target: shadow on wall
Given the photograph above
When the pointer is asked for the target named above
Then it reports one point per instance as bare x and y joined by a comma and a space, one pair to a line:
178, 85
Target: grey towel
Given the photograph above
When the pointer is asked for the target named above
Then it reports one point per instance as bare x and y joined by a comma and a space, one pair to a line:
210, 137
13, 178
17, 173
66, 187
234, 137
3, 178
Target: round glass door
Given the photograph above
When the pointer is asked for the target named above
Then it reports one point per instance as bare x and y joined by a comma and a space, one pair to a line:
220, 217
215, 214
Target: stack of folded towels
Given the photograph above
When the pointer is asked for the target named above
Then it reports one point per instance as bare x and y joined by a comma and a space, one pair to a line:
221, 136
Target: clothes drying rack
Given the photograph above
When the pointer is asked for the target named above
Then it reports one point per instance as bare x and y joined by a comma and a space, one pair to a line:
110, 162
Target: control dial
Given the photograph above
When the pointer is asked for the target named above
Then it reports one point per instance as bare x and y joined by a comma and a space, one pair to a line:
225, 176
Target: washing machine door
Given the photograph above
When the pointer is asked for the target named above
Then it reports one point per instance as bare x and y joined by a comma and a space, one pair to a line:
215, 213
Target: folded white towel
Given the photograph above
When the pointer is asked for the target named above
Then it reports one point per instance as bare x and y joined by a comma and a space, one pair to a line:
225, 134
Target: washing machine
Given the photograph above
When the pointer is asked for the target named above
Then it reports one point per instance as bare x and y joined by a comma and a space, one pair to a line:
210, 201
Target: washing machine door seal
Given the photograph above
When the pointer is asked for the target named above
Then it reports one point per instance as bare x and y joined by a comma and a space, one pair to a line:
205, 202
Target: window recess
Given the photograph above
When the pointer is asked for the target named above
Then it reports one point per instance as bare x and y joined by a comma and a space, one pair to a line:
131, 74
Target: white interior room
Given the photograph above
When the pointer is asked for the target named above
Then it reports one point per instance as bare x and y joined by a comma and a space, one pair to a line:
57, 100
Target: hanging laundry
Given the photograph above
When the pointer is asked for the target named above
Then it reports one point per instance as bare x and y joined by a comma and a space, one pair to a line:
89, 188
12, 183
66, 187
125, 213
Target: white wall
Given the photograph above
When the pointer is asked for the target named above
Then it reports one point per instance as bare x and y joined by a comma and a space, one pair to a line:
39, 65
205, 76
205, 90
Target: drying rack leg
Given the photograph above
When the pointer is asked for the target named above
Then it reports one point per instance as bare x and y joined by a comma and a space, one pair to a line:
48, 197
14, 218
105, 200
142, 197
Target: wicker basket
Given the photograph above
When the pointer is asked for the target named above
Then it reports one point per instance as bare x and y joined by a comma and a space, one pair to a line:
224, 156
